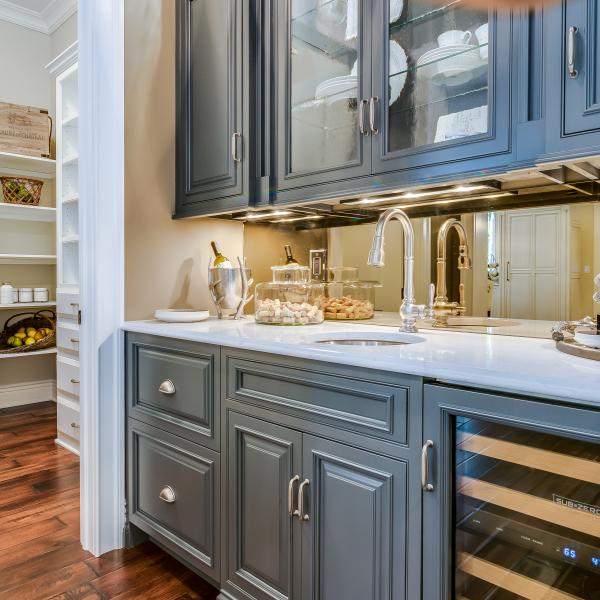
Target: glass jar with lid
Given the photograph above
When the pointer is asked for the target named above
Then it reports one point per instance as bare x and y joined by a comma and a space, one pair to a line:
290, 299
349, 300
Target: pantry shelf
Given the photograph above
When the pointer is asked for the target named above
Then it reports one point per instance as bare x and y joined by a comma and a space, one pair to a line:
27, 259
28, 354
20, 305
27, 166
20, 212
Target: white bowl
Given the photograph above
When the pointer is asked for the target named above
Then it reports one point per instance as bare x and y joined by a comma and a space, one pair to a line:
181, 315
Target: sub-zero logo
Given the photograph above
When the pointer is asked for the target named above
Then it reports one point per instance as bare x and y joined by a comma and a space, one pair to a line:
576, 505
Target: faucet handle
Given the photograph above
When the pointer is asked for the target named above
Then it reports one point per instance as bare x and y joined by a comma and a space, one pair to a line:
430, 295
461, 294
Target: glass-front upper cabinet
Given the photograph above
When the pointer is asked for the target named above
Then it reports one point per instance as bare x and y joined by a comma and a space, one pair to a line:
517, 498
323, 68
444, 80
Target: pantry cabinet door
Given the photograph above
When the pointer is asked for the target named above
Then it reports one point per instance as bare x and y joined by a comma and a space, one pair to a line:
441, 80
323, 81
213, 153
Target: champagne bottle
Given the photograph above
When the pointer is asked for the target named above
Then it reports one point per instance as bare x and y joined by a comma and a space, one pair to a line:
290, 260
221, 261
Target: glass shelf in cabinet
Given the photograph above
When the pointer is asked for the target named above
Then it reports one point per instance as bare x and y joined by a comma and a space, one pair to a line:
424, 105
439, 10
335, 49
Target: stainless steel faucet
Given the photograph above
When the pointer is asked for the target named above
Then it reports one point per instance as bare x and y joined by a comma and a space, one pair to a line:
410, 311
442, 308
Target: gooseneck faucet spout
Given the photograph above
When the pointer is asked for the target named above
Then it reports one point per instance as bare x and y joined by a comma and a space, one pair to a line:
442, 308
409, 310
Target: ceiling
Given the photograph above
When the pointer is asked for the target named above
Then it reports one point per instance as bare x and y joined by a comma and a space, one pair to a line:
44, 16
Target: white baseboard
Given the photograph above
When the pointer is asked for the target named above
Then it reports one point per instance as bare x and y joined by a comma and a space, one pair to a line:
27, 393
70, 446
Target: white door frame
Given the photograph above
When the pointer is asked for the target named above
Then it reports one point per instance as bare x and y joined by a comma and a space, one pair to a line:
101, 91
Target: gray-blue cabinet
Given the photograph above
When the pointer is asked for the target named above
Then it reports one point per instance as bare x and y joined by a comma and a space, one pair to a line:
213, 153
511, 497
572, 58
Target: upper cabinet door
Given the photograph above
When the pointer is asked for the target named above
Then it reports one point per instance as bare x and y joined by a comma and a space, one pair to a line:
323, 87
581, 66
212, 106
442, 86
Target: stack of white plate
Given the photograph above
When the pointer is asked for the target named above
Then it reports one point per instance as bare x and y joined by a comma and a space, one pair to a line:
450, 65
337, 88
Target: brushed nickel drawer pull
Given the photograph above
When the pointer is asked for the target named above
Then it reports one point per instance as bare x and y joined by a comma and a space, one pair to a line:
74, 381
303, 516
167, 494
425, 485
291, 511
167, 387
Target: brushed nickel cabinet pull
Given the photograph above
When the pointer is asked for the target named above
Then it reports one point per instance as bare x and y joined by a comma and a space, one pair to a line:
291, 511
167, 387
235, 154
303, 516
74, 341
425, 485
361, 117
372, 107
508, 270
75, 425
74, 381
572, 52
167, 494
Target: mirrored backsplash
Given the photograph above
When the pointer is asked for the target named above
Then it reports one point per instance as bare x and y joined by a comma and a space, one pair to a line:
532, 264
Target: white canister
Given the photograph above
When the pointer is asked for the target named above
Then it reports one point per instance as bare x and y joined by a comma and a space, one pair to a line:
40, 294
25, 294
15, 295
6, 293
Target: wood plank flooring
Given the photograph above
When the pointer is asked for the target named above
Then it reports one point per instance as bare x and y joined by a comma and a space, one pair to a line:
40, 554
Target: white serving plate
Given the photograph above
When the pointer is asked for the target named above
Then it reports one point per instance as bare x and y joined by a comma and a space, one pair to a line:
588, 338
338, 88
181, 315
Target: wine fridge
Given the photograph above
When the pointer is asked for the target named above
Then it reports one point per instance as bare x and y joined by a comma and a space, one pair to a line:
521, 505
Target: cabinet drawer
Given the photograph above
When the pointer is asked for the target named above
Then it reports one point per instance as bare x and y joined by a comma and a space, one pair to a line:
174, 385
67, 304
67, 375
67, 420
174, 494
67, 337
358, 400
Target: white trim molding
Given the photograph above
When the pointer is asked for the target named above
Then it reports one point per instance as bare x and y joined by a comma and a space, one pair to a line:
31, 392
47, 21
101, 166
67, 58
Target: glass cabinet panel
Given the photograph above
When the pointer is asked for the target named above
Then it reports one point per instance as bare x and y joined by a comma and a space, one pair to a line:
526, 514
438, 73
324, 84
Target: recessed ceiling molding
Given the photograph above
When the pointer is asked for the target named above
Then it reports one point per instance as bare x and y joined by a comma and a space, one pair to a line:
64, 60
47, 20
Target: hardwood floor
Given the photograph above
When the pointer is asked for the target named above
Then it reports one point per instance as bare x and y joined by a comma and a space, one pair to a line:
40, 555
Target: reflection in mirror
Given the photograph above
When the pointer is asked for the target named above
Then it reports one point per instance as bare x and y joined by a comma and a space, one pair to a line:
533, 264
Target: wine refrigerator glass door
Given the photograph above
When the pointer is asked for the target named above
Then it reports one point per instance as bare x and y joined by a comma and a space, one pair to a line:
443, 81
523, 512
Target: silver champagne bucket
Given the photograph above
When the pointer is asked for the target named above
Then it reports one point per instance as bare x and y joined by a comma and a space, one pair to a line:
230, 288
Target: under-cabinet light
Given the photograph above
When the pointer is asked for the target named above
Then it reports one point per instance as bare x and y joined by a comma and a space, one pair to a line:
459, 189
448, 201
304, 218
269, 215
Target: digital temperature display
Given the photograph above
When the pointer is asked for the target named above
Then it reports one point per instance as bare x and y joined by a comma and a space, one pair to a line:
570, 553
596, 561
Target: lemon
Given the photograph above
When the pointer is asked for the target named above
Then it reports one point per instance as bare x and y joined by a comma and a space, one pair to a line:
21, 335
31, 331
40, 335
17, 342
29, 341
10, 340
22, 330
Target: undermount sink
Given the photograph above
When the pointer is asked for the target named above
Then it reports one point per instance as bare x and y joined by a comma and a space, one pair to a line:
367, 339
479, 322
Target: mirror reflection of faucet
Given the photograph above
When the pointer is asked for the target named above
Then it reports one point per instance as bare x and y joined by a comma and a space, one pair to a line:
442, 307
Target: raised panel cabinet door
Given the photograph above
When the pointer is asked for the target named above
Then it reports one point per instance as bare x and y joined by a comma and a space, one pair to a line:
263, 538
511, 506
581, 66
441, 81
361, 526
213, 49
323, 87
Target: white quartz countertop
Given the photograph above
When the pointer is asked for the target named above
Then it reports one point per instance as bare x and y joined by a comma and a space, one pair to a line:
512, 364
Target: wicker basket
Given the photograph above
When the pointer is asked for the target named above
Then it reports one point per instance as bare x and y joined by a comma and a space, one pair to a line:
36, 320
21, 190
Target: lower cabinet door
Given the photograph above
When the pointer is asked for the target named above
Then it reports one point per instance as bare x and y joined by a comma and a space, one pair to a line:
263, 471
360, 541
173, 495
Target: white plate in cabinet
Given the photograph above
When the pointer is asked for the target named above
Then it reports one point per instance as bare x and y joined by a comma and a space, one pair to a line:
67, 304
67, 375
67, 337
67, 420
